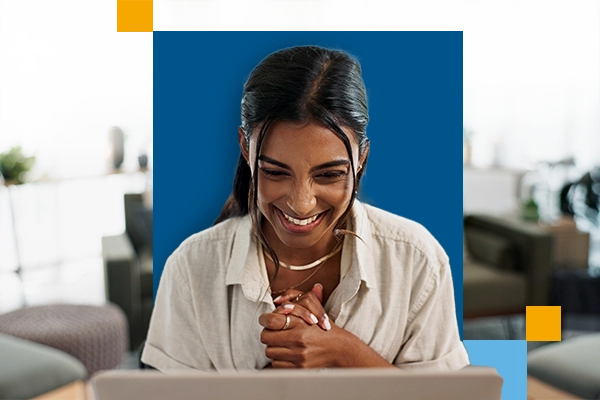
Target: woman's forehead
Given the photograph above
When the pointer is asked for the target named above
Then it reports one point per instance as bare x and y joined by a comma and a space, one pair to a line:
305, 135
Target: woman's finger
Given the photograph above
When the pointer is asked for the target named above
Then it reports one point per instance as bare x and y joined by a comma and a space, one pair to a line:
283, 364
311, 302
289, 295
298, 311
277, 353
274, 321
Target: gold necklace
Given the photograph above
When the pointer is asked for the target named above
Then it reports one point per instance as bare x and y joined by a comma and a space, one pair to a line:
335, 251
301, 282
313, 264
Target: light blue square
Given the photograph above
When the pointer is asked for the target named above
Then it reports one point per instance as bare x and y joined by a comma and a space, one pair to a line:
509, 357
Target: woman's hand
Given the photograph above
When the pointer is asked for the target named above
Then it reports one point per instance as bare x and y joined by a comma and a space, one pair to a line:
304, 305
300, 345
306, 344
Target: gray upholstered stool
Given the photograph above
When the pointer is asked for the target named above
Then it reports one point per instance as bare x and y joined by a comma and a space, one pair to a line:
29, 369
96, 336
572, 365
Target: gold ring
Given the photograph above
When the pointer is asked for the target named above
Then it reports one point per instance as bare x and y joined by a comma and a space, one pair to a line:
287, 323
298, 297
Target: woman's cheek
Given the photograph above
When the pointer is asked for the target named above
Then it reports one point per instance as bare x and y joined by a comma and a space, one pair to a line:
338, 195
269, 191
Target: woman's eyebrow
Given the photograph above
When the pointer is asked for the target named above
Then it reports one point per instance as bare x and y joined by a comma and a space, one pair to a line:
273, 161
329, 164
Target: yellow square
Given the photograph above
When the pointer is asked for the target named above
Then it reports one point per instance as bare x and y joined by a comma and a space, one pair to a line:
134, 15
542, 324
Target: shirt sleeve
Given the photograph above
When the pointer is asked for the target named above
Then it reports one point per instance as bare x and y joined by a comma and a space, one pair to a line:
432, 341
173, 339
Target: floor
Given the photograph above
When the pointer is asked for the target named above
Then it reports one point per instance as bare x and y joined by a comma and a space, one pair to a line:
130, 361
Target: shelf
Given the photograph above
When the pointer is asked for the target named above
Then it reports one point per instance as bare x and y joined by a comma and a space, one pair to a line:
81, 177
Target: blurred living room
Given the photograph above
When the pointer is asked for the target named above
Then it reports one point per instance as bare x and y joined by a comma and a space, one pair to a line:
76, 140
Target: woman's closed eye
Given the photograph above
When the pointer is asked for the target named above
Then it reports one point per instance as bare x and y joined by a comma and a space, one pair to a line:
326, 175
274, 173
332, 175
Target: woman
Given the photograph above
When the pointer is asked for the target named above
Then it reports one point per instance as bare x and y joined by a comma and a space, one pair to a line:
296, 272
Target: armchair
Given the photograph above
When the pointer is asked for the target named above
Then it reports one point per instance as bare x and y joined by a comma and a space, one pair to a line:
507, 266
128, 268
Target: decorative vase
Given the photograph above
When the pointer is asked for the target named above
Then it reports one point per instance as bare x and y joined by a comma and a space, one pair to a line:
116, 147
143, 160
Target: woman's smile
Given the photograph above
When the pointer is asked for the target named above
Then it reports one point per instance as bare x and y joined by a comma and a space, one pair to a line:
300, 226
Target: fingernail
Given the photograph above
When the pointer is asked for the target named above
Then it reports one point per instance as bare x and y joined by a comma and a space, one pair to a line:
276, 299
318, 284
313, 318
289, 306
327, 323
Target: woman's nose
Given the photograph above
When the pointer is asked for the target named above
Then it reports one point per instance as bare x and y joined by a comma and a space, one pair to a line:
302, 200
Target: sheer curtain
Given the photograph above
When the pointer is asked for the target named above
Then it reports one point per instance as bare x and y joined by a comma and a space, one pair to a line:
531, 80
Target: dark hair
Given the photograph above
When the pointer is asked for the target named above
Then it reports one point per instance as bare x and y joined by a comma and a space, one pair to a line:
299, 84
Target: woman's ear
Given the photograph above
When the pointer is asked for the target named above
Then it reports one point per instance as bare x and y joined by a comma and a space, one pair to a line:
244, 146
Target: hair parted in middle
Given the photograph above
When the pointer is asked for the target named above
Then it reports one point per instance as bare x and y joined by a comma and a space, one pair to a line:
299, 84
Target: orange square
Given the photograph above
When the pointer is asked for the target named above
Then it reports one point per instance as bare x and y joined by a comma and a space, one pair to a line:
134, 16
542, 324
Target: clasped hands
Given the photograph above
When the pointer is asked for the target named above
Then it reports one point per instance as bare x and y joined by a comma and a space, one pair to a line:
309, 339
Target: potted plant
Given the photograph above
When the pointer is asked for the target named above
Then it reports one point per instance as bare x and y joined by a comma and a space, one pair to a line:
14, 166
467, 145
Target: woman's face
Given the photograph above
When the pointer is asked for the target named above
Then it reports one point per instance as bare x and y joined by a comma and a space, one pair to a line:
304, 182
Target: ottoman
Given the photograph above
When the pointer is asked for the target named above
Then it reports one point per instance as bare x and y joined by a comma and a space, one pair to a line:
96, 336
572, 365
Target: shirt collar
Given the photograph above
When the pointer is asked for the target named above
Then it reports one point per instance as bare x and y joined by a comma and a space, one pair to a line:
362, 250
244, 266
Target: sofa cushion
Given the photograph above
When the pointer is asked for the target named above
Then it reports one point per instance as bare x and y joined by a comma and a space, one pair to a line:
28, 369
466, 254
491, 249
488, 290
571, 365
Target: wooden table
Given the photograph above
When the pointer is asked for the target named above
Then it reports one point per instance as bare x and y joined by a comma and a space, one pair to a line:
538, 390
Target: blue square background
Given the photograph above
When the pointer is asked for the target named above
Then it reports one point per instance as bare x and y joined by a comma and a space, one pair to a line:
509, 357
414, 86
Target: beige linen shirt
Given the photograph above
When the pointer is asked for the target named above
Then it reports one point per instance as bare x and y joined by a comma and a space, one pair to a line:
395, 295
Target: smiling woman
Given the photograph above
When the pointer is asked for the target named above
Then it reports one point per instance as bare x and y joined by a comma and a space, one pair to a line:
296, 273
303, 199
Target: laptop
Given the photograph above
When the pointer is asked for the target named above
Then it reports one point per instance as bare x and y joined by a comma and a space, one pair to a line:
348, 384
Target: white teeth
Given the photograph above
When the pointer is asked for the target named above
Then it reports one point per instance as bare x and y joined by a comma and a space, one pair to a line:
300, 222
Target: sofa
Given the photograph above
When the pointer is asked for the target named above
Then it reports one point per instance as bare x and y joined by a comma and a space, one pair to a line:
506, 266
